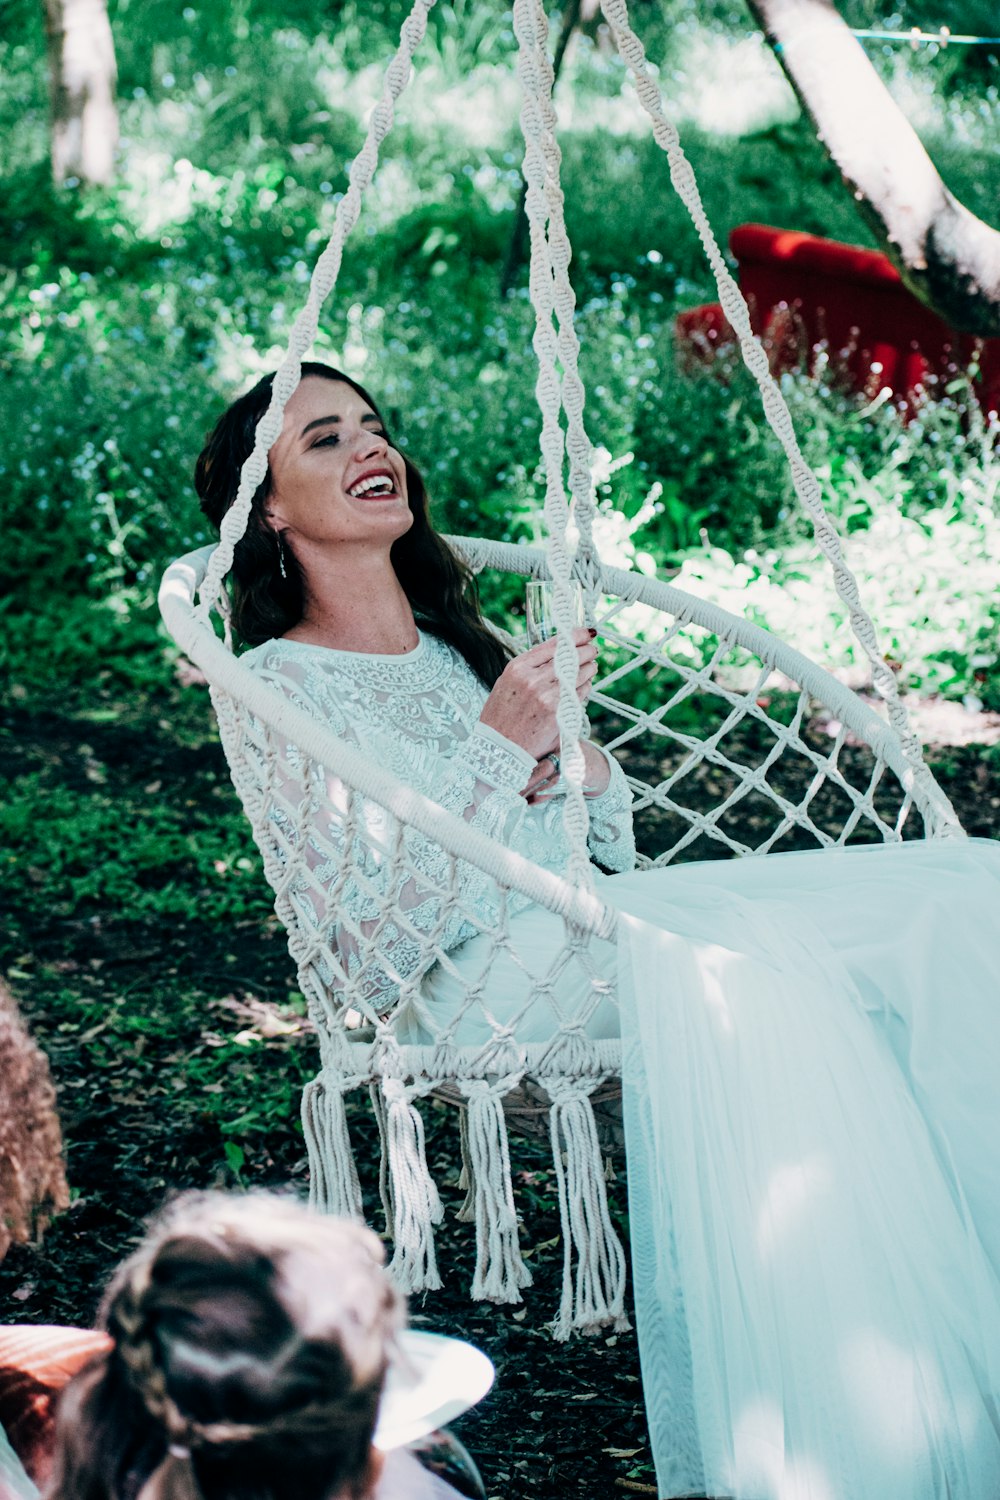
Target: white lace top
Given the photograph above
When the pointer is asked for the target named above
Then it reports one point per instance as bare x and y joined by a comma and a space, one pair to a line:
417, 715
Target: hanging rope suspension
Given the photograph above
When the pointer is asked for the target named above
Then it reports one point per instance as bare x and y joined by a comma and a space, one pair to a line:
544, 210
735, 307
347, 835
321, 284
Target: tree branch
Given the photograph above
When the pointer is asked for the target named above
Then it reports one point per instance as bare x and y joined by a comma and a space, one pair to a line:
949, 259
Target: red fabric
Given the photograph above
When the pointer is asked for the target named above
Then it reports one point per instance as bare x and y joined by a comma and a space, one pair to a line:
35, 1364
803, 289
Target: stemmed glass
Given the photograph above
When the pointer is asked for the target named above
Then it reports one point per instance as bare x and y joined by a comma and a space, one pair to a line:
539, 607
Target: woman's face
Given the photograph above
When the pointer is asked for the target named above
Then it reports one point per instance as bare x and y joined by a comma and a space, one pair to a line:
334, 476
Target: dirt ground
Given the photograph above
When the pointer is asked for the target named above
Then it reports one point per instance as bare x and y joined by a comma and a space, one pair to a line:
140, 1018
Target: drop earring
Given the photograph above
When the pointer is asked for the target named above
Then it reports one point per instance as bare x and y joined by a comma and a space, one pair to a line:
281, 557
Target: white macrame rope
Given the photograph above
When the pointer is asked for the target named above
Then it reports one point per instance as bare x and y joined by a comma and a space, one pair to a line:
593, 1293
358, 771
500, 1271
549, 394
323, 280
578, 445
333, 1175
257, 723
340, 861
775, 407
681, 608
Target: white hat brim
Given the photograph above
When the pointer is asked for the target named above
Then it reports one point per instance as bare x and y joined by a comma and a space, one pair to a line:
433, 1380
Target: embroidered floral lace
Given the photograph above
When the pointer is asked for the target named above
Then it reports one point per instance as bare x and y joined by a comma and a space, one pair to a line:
387, 922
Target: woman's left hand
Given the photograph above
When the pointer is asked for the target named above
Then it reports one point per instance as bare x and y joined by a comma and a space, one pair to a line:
543, 783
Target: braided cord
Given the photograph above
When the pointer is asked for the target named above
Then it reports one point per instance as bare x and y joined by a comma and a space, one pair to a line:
775, 408
323, 280
535, 79
587, 564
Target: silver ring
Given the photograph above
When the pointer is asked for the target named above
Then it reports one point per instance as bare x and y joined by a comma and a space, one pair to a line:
555, 764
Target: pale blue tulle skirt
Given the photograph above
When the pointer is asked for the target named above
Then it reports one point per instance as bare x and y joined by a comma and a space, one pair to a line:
14, 1482
812, 1108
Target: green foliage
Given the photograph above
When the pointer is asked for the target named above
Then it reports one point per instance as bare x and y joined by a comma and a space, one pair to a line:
82, 850
130, 316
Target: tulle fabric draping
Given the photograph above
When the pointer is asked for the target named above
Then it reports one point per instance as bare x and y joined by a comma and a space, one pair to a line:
14, 1482
811, 1054
812, 1111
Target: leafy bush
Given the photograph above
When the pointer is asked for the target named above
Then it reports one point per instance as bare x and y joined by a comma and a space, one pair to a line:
84, 851
130, 316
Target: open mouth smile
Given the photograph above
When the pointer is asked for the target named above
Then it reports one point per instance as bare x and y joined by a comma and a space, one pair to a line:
377, 485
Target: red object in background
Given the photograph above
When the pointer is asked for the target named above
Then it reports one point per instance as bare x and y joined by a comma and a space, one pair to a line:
803, 290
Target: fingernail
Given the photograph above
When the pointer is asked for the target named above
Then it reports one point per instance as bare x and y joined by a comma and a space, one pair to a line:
591, 631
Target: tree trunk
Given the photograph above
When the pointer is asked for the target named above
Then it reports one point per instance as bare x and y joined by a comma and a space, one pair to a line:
82, 76
947, 257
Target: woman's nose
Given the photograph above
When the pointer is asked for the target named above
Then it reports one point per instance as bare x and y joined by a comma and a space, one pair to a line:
370, 443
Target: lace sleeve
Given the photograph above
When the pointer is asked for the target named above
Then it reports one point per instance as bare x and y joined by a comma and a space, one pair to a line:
379, 896
612, 840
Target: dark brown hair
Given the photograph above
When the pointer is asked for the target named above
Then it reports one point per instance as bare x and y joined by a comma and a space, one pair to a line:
439, 586
251, 1340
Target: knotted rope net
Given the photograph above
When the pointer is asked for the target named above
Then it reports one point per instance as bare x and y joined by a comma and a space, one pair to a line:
385, 894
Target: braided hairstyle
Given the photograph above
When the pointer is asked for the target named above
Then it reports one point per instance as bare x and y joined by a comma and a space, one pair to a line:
251, 1340
267, 602
32, 1180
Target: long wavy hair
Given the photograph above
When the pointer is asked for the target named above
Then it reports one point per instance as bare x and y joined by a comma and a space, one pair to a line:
266, 604
251, 1341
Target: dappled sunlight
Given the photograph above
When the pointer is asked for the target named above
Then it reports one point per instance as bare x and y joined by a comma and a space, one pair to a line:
240, 359
896, 559
619, 114
481, 109
791, 1200
160, 191
900, 1403
713, 963
761, 1464
730, 85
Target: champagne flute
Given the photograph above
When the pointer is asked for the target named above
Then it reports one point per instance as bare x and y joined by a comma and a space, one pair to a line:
539, 608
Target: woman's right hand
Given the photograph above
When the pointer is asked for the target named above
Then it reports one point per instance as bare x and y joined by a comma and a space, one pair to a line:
525, 697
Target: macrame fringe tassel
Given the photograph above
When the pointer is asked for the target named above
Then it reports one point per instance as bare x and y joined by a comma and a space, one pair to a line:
500, 1272
333, 1175
467, 1213
593, 1291
415, 1202
384, 1176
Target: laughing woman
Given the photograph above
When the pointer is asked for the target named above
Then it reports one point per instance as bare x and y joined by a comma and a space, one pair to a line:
812, 1040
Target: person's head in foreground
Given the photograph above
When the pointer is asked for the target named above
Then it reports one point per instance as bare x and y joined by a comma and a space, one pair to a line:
337, 496
251, 1339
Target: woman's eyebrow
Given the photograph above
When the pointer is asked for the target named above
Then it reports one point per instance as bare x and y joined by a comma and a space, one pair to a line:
369, 416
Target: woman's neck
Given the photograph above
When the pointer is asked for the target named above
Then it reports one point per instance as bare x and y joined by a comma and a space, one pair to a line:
357, 604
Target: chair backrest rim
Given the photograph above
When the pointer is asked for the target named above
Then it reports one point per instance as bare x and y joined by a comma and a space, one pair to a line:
177, 595
848, 707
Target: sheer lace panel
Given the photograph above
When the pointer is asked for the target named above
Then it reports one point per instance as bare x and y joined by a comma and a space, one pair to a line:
383, 897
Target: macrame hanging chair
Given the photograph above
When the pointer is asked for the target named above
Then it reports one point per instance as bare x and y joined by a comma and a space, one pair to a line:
376, 830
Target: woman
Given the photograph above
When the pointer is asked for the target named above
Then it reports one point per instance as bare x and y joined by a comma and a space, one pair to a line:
250, 1341
811, 1043
340, 553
